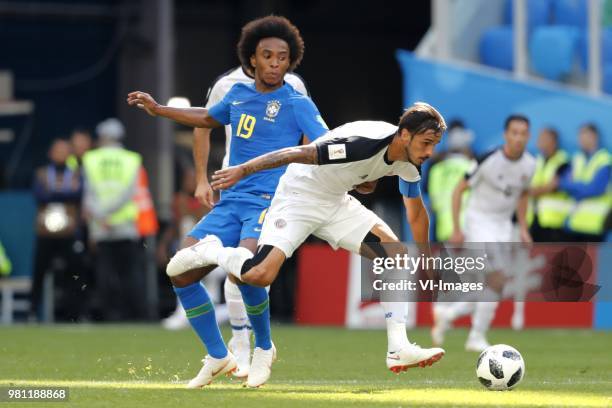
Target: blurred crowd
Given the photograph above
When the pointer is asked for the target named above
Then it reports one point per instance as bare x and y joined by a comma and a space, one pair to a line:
94, 213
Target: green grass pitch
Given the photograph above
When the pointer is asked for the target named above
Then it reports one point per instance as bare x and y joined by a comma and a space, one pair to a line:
145, 366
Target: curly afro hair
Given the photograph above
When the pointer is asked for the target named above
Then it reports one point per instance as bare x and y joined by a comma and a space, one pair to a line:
266, 27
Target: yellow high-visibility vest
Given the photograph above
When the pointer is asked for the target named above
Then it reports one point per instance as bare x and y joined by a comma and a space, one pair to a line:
110, 171
72, 162
443, 178
553, 208
589, 214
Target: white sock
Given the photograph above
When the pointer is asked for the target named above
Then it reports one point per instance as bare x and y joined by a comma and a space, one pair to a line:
232, 259
482, 317
237, 312
518, 316
395, 316
458, 309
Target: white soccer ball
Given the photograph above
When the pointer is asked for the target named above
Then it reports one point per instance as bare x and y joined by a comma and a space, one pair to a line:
500, 367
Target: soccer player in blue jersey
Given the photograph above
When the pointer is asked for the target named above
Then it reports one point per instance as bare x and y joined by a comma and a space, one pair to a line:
265, 116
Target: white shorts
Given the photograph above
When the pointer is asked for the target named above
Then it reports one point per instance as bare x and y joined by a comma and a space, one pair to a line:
293, 217
481, 229
494, 237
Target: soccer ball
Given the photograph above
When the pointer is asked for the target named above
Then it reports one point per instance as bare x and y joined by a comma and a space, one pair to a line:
500, 367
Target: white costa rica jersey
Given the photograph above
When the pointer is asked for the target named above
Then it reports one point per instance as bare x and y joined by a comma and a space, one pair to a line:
497, 183
347, 156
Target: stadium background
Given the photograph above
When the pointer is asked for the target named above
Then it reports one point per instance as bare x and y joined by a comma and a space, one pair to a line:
74, 64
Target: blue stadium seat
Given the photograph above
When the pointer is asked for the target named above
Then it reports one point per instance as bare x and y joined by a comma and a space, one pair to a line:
539, 12
606, 47
496, 47
552, 50
570, 12
607, 79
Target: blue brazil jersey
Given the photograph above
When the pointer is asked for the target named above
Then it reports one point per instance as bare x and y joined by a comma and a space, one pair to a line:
262, 123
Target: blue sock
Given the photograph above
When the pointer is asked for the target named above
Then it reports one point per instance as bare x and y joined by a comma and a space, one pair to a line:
258, 309
201, 314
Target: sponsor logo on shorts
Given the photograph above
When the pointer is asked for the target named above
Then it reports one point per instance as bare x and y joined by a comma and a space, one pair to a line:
280, 223
336, 151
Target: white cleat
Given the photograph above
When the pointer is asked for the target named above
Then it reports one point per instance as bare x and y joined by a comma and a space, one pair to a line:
413, 356
477, 343
261, 366
441, 325
202, 253
213, 367
242, 350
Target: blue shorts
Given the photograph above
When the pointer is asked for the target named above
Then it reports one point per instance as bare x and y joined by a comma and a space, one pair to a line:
235, 217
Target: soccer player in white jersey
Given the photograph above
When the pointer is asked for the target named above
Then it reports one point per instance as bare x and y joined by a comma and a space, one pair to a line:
499, 186
239, 344
312, 198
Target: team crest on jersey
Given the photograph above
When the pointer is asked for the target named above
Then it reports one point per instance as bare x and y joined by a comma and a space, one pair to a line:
280, 223
272, 109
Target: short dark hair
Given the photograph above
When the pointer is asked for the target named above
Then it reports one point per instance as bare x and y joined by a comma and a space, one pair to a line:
456, 123
420, 118
592, 127
266, 27
553, 132
515, 116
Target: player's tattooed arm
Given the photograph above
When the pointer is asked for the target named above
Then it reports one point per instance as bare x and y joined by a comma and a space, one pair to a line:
193, 117
225, 178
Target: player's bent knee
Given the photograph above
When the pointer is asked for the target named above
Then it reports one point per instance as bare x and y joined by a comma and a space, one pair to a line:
176, 266
259, 275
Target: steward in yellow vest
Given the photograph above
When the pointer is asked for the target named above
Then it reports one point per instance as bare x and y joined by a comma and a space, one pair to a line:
446, 174
111, 182
111, 175
589, 185
549, 208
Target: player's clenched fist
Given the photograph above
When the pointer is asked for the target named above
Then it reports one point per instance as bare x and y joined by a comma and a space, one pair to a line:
143, 100
225, 178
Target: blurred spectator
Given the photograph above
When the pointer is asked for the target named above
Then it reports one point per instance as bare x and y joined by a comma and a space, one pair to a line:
111, 175
146, 222
446, 174
549, 208
588, 183
58, 190
5, 263
81, 143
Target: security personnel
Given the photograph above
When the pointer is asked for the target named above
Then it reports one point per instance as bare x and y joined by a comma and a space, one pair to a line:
111, 176
589, 184
548, 208
446, 174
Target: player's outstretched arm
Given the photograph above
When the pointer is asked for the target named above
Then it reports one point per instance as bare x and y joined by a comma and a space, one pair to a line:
225, 178
458, 237
193, 117
521, 212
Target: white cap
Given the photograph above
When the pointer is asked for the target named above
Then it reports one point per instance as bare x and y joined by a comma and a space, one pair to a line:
111, 128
